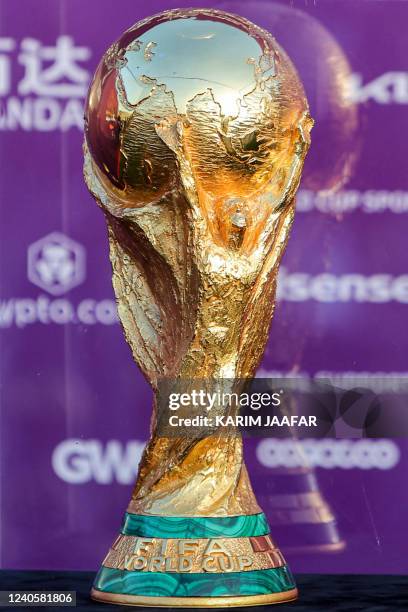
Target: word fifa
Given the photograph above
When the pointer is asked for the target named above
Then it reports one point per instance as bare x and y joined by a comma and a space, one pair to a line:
193, 555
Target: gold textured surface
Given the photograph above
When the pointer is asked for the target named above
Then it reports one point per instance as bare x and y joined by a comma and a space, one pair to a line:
197, 127
195, 602
187, 555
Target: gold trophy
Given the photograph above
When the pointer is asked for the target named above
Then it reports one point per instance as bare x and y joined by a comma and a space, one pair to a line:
197, 127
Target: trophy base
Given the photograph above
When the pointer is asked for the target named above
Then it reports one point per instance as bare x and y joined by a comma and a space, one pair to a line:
194, 562
195, 602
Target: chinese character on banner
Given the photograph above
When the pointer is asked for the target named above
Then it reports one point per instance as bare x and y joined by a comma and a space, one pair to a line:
63, 78
6, 45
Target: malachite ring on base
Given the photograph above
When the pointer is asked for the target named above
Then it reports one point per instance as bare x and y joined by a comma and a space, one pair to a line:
194, 527
194, 562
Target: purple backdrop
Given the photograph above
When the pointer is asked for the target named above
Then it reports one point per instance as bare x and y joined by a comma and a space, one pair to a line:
74, 407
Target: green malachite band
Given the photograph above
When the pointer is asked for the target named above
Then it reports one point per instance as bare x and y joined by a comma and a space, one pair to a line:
159, 584
194, 527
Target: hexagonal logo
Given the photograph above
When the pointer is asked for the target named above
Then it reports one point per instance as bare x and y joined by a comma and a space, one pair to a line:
56, 263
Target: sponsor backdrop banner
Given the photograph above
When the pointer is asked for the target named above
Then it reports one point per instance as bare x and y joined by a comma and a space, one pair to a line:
74, 407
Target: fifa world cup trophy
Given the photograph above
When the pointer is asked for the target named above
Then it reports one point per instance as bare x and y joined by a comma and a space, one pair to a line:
196, 131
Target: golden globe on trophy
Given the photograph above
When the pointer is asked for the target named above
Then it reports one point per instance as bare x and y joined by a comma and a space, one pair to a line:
196, 130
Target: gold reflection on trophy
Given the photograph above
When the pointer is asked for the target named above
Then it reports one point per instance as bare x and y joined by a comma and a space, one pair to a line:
327, 76
195, 163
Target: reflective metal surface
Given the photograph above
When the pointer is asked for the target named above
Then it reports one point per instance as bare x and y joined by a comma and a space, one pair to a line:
196, 131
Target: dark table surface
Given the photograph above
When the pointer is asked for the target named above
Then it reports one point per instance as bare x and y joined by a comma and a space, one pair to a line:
318, 592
